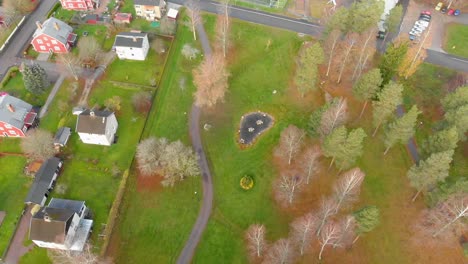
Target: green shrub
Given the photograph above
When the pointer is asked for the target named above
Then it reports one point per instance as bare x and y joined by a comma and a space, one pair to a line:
246, 182
10, 73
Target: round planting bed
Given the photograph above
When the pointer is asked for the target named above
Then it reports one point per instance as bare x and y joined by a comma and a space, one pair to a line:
252, 125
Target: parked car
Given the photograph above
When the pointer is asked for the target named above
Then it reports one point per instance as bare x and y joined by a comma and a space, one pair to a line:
450, 12
443, 10
457, 12
426, 13
381, 34
412, 37
425, 18
439, 6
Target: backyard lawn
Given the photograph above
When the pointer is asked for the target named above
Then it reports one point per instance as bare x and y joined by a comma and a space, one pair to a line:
155, 222
13, 189
15, 87
456, 38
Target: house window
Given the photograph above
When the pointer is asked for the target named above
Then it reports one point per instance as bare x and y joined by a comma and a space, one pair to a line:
131, 48
12, 132
7, 126
39, 41
48, 44
42, 47
70, 5
54, 41
80, 5
57, 48
133, 54
46, 38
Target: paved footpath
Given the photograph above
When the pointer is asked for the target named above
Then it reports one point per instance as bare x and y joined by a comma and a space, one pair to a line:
207, 202
17, 249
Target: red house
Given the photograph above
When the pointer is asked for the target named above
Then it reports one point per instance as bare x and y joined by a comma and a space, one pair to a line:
80, 5
16, 116
123, 18
53, 36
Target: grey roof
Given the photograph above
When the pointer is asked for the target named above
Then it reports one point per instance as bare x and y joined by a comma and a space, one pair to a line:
20, 108
92, 122
42, 181
62, 135
73, 205
130, 39
147, 2
48, 29
50, 224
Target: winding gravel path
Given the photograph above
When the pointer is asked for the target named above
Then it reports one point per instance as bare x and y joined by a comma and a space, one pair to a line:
207, 202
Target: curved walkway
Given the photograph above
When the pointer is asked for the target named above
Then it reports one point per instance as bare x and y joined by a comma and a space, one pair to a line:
207, 202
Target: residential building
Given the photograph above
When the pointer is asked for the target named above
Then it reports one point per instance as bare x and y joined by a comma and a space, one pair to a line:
62, 136
150, 10
131, 45
53, 36
44, 181
16, 116
123, 18
97, 127
80, 5
62, 224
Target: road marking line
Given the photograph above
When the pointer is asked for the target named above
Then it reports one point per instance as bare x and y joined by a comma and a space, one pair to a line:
460, 60
277, 17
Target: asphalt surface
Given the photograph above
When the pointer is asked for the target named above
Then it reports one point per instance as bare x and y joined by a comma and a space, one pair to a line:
16, 249
207, 183
315, 30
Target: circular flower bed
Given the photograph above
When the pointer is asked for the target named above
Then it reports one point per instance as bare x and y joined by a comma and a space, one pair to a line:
246, 182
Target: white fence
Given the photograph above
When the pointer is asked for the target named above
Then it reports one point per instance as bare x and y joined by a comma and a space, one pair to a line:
12, 33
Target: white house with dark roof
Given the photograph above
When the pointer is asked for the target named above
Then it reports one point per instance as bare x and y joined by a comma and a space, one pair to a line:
44, 181
97, 127
54, 36
131, 45
16, 116
150, 10
61, 225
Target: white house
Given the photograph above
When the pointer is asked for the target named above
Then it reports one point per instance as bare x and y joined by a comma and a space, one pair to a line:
97, 127
61, 225
131, 45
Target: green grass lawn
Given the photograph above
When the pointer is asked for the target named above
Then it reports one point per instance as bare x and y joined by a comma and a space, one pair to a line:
99, 32
154, 222
13, 189
456, 38
4, 34
15, 87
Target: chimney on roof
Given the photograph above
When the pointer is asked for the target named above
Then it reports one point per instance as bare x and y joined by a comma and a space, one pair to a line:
39, 25
11, 108
134, 39
47, 217
56, 26
91, 113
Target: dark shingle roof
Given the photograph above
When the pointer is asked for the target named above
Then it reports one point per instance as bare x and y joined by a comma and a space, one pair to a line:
130, 39
49, 29
20, 108
50, 224
42, 181
147, 2
92, 122
73, 205
62, 135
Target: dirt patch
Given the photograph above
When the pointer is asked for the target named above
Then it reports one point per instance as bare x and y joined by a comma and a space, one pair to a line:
149, 183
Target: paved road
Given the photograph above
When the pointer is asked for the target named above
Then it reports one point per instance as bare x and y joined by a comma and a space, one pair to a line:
9, 56
314, 29
207, 203
17, 249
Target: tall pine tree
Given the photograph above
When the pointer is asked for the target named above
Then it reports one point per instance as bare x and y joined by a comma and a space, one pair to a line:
443, 140
388, 100
367, 219
367, 86
430, 171
344, 148
35, 78
402, 129
307, 68
456, 110
391, 61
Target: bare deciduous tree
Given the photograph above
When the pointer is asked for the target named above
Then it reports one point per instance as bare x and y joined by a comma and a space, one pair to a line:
158, 45
332, 40
451, 211
303, 230
149, 155
180, 162
193, 8
142, 102
38, 144
335, 116
326, 210
287, 187
73, 257
189, 52
256, 242
222, 26
347, 227
347, 188
329, 236
290, 142
88, 51
349, 42
211, 80
69, 64
309, 162
19, 6
280, 252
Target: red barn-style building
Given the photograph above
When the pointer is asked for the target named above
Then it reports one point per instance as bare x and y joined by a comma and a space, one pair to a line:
80, 5
16, 116
53, 36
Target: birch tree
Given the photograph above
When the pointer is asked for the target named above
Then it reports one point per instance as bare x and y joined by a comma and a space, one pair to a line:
402, 129
347, 227
329, 236
326, 210
385, 105
223, 26
193, 10
367, 219
309, 162
287, 187
256, 242
349, 43
346, 190
281, 252
211, 80
428, 172
366, 87
70, 64
290, 143
307, 67
303, 229
453, 210
336, 115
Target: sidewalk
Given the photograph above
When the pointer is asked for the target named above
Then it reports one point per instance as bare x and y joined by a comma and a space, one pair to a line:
17, 249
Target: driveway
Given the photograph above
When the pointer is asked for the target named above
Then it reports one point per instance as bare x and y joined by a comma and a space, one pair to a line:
17, 249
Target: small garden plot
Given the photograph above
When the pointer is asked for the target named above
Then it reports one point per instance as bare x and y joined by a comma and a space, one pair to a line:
252, 126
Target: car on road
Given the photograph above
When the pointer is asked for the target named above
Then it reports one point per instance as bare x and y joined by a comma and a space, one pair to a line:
425, 18
426, 13
457, 12
450, 12
443, 10
439, 6
381, 34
